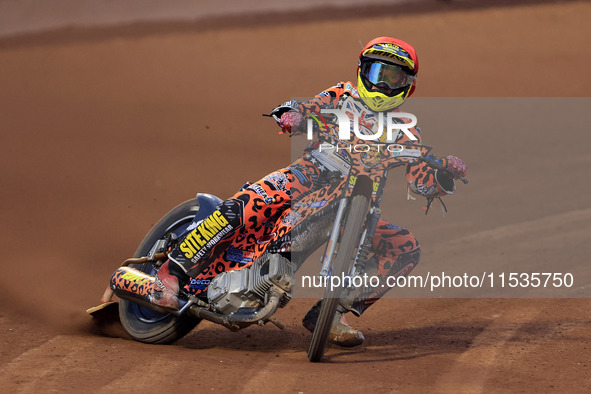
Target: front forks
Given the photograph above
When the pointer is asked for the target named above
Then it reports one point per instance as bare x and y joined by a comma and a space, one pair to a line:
332, 242
365, 244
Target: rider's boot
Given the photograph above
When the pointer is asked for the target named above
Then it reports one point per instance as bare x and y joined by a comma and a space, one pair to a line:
166, 289
340, 333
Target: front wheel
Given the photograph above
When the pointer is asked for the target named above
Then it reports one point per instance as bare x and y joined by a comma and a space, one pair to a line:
347, 246
141, 323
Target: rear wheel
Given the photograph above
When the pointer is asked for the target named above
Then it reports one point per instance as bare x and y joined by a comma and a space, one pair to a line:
141, 323
347, 247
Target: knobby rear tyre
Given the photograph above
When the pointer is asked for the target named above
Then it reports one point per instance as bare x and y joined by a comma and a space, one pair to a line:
141, 323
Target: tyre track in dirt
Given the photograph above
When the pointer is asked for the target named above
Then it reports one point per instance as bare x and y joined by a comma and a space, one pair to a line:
274, 372
528, 247
522, 341
471, 370
579, 219
35, 370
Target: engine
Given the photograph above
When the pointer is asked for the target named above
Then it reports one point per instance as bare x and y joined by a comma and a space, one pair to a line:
249, 287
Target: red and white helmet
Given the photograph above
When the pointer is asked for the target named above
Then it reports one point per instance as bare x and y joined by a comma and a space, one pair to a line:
386, 73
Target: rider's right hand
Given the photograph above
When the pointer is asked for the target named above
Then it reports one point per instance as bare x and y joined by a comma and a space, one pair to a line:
289, 121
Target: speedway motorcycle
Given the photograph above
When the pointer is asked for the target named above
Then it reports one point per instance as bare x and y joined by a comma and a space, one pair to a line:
345, 211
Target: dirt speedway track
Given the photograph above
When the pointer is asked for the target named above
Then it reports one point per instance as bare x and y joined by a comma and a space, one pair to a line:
102, 135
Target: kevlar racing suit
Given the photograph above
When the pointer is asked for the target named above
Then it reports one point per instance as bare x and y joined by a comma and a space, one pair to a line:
243, 226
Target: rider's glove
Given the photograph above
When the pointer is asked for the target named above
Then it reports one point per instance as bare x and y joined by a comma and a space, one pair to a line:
289, 121
455, 164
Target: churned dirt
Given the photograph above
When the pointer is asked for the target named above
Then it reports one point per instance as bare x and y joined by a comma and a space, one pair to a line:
102, 133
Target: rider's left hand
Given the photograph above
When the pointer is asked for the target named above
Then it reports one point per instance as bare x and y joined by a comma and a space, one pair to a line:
456, 165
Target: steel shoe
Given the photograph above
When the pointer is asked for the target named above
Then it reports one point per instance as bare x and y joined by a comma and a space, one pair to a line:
340, 333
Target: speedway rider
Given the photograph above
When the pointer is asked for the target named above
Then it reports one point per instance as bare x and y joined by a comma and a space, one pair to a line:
386, 76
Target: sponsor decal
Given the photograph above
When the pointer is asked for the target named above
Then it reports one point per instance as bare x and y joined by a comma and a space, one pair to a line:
331, 158
343, 156
291, 218
300, 237
199, 284
313, 204
136, 278
301, 177
238, 255
393, 227
425, 190
352, 180
278, 179
258, 189
208, 232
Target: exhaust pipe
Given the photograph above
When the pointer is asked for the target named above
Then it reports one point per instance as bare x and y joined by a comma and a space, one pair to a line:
242, 316
136, 286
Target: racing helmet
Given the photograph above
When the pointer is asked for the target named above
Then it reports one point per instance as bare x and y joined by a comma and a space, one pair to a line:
386, 73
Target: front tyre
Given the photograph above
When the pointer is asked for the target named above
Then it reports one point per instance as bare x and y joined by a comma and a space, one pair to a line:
141, 323
347, 247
